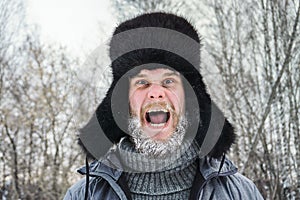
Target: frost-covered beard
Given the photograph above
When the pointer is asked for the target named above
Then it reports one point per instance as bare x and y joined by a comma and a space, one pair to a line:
157, 148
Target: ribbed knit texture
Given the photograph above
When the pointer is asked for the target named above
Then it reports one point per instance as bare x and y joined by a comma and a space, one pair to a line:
173, 182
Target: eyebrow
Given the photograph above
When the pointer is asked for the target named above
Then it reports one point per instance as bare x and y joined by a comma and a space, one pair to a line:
165, 74
139, 76
171, 74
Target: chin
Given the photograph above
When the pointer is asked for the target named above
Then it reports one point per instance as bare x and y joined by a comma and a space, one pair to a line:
157, 142
162, 136
158, 134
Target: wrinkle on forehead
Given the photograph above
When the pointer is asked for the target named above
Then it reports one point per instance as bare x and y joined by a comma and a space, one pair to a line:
165, 73
144, 72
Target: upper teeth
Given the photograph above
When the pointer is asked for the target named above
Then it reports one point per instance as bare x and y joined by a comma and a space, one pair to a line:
158, 110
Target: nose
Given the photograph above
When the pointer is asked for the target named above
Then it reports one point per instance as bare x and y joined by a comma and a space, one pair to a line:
156, 92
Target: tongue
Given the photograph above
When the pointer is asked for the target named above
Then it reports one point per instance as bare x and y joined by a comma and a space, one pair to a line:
158, 117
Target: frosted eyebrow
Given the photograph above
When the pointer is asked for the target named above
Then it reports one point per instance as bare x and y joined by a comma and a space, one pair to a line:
171, 74
139, 76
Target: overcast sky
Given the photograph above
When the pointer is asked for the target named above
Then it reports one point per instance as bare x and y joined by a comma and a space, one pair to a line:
79, 24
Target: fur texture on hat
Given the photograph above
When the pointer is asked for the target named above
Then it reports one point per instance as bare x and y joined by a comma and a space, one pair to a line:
127, 64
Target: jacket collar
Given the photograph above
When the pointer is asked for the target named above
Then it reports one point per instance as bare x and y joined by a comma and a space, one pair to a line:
210, 167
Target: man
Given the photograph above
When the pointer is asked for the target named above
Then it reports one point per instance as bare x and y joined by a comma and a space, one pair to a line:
169, 138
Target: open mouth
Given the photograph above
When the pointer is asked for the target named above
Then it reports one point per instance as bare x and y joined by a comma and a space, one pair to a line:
157, 118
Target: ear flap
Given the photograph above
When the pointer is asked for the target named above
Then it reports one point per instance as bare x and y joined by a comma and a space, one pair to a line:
226, 139
93, 140
216, 134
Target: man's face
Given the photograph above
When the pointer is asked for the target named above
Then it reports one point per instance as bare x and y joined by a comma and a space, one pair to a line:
156, 99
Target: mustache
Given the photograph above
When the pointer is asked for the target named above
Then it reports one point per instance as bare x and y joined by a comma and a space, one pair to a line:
163, 105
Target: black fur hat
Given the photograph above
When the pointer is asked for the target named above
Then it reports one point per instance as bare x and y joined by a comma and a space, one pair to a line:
156, 40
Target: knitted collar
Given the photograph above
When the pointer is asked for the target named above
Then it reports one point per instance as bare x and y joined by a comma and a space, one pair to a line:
172, 178
135, 162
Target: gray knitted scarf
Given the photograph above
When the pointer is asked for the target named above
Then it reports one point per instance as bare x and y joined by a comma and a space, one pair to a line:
171, 180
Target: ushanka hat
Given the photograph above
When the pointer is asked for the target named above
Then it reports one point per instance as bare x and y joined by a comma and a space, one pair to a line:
150, 41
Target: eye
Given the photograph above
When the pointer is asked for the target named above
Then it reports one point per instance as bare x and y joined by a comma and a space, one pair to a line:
168, 81
142, 82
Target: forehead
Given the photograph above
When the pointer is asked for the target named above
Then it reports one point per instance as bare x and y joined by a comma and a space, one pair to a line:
160, 72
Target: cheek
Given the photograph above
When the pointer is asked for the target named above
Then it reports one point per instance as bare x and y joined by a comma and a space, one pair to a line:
177, 99
135, 100
182, 100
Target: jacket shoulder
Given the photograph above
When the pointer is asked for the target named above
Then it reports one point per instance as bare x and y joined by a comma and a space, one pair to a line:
234, 186
76, 191
246, 184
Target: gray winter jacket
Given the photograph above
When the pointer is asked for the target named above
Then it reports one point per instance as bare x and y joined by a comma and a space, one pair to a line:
106, 183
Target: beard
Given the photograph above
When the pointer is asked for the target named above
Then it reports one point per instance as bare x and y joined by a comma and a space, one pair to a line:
157, 148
